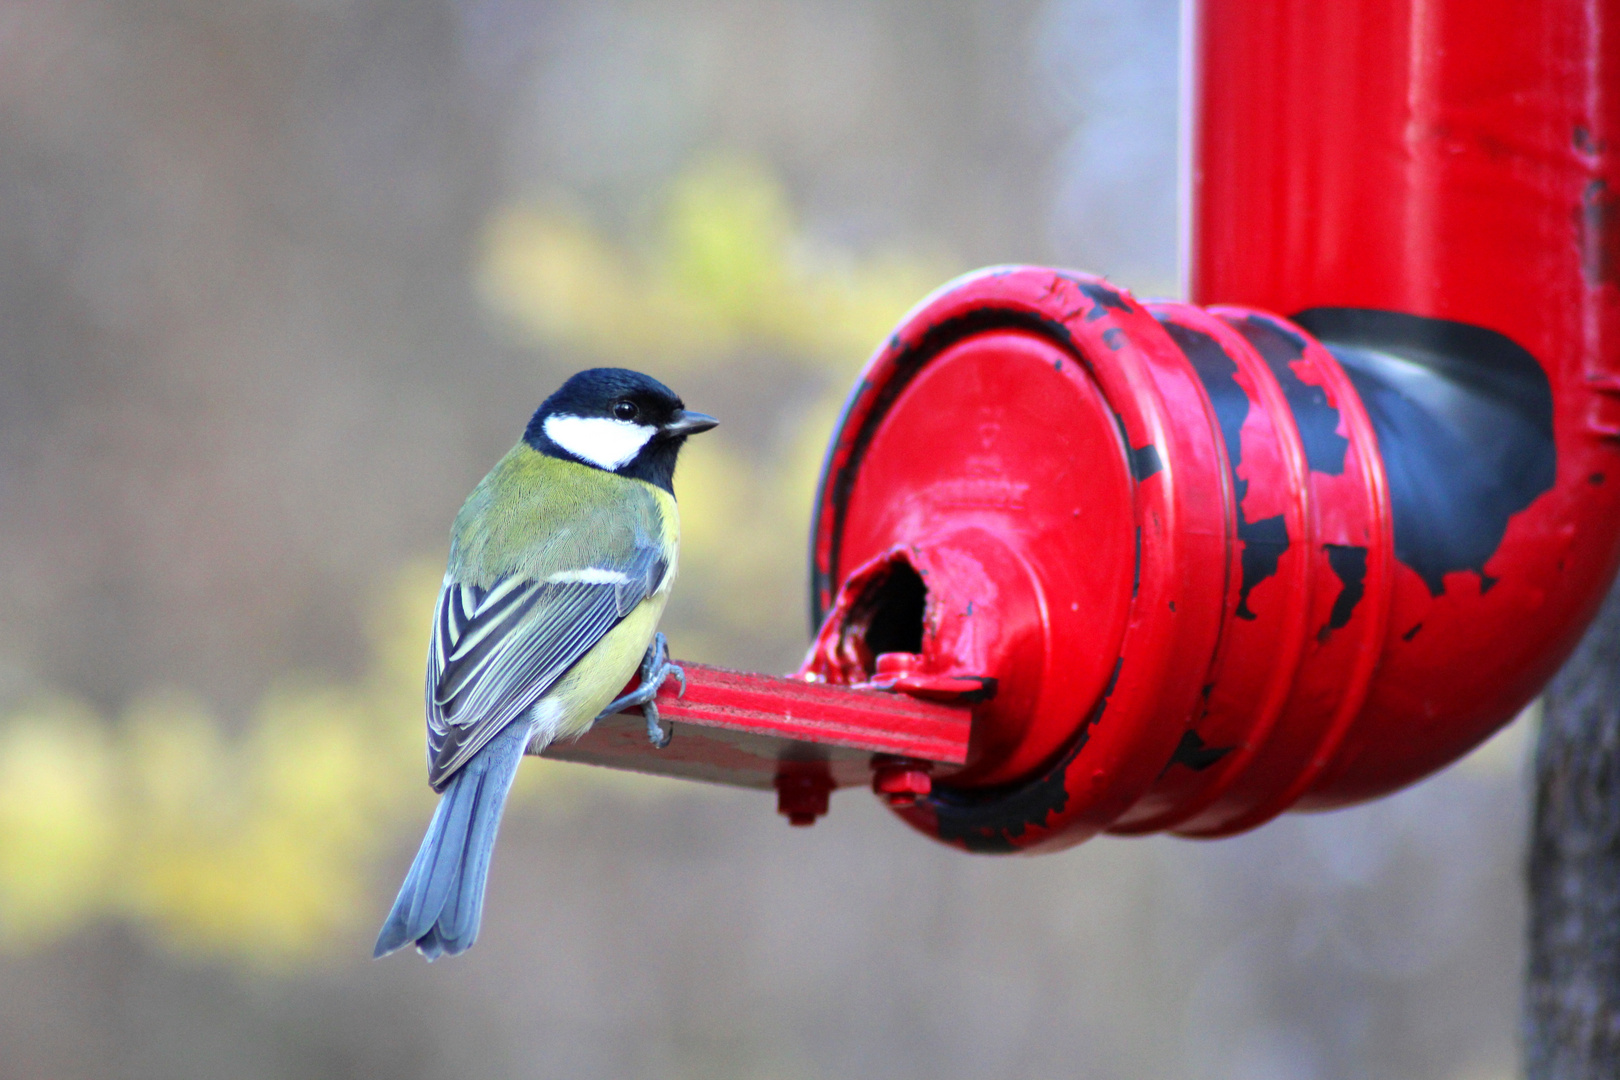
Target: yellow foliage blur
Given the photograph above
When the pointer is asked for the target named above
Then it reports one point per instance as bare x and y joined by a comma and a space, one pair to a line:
257, 848
728, 266
263, 848
58, 820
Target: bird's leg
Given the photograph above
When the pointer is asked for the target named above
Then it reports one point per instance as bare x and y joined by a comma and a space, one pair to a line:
655, 668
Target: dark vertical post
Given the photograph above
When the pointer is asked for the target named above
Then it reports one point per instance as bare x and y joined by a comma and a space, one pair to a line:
1572, 997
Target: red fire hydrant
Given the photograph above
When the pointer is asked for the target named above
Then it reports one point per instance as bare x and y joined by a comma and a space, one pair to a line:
1083, 563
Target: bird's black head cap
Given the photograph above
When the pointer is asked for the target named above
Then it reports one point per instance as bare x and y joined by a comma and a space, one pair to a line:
618, 420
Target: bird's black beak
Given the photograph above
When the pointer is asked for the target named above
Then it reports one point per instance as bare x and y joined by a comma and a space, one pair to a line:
686, 422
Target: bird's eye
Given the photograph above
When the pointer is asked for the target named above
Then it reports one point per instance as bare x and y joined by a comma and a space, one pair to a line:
625, 410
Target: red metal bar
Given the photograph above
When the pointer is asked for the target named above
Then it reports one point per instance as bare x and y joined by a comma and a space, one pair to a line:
750, 730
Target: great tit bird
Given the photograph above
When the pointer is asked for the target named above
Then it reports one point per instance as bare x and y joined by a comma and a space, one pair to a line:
560, 563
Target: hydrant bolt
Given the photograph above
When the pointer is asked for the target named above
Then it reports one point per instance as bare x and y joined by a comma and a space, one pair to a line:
901, 784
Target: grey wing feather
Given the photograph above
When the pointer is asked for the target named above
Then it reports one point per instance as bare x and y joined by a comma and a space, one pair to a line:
496, 651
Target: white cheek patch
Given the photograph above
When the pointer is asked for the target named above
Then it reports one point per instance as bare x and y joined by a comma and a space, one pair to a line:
604, 442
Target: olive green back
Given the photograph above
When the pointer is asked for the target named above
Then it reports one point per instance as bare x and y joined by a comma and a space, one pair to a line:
535, 515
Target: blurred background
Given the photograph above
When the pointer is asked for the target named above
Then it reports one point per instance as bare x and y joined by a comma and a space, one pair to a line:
279, 281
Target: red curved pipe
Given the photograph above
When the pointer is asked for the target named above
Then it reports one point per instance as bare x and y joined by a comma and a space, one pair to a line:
1360, 538
1456, 161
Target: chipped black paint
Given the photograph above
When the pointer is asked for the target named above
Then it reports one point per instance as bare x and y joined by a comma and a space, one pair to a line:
1145, 462
1192, 753
988, 685
1101, 295
1412, 633
1317, 421
1349, 564
1463, 417
1599, 222
1264, 541
990, 825
990, 820
1136, 575
1108, 690
1113, 337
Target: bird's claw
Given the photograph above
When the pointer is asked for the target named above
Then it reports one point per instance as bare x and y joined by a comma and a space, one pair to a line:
655, 668
655, 734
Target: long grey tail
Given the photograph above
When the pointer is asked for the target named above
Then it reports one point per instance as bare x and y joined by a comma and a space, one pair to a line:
442, 900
